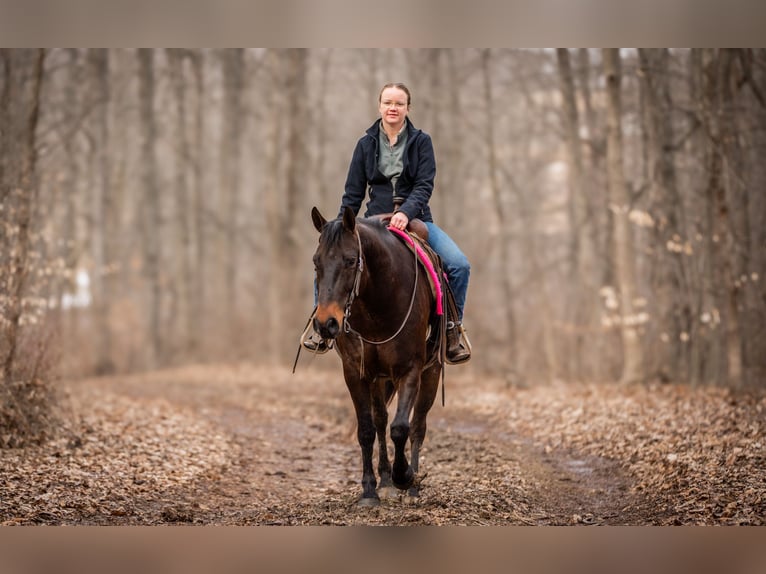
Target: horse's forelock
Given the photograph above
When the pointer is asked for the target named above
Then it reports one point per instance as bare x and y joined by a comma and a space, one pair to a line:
332, 233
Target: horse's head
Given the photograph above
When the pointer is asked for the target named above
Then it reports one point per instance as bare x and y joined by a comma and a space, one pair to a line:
337, 262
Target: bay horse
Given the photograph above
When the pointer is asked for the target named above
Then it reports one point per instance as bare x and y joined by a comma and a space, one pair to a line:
375, 306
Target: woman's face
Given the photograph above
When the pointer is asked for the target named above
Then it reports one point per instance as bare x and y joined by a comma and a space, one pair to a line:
393, 106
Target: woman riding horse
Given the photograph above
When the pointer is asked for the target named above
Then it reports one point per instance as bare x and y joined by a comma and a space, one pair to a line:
395, 159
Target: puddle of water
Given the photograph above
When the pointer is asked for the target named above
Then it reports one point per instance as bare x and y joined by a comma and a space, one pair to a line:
577, 466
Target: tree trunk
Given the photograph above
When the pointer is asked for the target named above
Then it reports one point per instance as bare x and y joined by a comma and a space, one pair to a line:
198, 307
672, 245
102, 214
25, 402
151, 214
182, 275
274, 202
726, 212
744, 293
582, 270
708, 356
5, 123
287, 215
24, 203
510, 360
68, 225
600, 217
324, 199
230, 173
296, 278
625, 256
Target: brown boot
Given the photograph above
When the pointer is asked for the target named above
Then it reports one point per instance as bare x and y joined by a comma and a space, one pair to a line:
313, 342
458, 347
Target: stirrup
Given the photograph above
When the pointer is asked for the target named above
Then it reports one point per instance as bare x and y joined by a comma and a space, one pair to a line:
318, 347
464, 344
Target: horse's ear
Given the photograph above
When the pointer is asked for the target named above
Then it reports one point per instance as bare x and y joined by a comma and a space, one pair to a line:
318, 219
349, 219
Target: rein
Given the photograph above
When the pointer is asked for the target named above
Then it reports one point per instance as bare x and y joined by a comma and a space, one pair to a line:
347, 328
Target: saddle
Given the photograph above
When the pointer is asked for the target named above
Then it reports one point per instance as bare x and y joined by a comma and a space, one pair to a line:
417, 240
450, 332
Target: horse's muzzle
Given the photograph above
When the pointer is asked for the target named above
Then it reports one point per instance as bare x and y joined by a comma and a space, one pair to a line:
328, 329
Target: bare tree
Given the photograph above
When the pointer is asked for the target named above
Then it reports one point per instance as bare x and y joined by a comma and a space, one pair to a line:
22, 410
197, 307
183, 277
151, 214
230, 181
286, 200
583, 275
625, 254
746, 301
296, 285
207, 242
102, 218
672, 246
600, 218
502, 213
323, 126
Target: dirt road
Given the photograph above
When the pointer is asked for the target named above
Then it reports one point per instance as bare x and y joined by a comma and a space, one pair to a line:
245, 445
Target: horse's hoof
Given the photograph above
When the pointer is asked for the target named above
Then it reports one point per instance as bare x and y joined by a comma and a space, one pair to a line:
411, 499
368, 502
387, 492
406, 481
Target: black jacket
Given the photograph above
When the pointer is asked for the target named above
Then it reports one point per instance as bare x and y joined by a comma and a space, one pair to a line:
415, 183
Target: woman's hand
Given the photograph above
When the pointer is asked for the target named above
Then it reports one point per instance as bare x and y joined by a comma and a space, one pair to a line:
399, 220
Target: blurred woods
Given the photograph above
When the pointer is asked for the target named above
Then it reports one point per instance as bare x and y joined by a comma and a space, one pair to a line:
155, 204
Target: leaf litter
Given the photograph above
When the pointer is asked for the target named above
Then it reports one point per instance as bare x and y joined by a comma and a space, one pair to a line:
240, 444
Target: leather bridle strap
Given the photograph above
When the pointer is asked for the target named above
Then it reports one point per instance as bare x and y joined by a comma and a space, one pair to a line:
357, 280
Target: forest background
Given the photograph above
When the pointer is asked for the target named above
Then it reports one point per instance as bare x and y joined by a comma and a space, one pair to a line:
154, 206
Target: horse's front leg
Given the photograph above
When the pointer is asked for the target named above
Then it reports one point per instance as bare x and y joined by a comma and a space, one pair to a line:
381, 392
361, 397
403, 475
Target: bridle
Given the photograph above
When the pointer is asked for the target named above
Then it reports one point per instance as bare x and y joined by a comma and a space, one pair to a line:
347, 328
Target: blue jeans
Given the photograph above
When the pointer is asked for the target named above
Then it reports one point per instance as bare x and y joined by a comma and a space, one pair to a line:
455, 263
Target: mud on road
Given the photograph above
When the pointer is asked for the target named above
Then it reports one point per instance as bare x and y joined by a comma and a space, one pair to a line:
242, 445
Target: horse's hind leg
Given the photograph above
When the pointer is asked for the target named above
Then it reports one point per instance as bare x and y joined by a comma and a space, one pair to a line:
381, 394
403, 475
429, 385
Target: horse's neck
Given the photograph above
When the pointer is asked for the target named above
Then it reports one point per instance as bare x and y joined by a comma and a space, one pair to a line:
381, 262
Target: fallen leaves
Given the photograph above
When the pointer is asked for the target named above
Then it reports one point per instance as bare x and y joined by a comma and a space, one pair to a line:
247, 445
110, 462
697, 454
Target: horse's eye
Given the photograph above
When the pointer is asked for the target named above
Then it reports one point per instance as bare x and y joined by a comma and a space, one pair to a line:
349, 261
